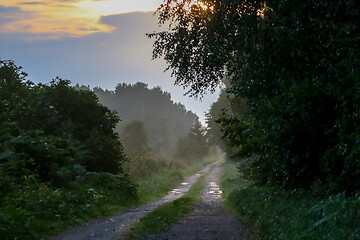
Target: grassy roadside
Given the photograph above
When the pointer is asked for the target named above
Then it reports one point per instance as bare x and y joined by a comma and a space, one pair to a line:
279, 214
164, 216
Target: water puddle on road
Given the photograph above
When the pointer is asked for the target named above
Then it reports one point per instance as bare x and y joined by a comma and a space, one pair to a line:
175, 191
214, 189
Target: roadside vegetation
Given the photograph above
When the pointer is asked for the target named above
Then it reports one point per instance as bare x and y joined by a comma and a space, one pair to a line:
61, 164
296, 214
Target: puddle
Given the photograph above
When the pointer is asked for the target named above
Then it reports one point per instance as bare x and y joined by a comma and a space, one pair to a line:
175, 191
215, 192
214, 189
184, 183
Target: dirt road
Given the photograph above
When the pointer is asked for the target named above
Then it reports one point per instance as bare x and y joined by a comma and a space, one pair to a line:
113, 226
208, 221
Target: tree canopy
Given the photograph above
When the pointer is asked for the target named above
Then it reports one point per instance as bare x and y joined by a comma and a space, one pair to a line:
53, 131
297, 65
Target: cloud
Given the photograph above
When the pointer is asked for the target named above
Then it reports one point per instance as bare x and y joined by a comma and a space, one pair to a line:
49, 18
140, 19
63, 18
68, 1
33, 3
12, 14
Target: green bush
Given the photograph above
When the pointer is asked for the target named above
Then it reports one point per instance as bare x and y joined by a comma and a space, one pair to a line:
38, 211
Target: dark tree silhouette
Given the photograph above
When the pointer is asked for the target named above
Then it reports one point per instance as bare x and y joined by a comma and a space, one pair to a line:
134, 139
296, 63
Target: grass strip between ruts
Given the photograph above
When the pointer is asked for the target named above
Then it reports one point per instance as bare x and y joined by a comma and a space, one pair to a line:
164, 216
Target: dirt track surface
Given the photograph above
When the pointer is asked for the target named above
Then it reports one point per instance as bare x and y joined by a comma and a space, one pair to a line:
208, 221
113, 226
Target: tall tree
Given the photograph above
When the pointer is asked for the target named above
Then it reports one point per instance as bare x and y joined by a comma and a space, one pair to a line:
194, 146
226, 105
134, 139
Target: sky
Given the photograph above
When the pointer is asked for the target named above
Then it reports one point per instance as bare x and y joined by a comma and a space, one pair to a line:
90, 42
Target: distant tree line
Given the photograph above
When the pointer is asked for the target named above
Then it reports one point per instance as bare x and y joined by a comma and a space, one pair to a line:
151, 121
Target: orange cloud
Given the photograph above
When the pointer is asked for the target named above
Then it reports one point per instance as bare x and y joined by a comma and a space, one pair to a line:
58, 18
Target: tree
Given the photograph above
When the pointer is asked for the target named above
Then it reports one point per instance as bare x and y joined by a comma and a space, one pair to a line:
296, 63
225, 105
134, 138
194, 145
48, 127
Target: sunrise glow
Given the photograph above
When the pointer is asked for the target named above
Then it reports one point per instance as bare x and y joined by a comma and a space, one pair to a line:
54, 18
199, 4
109, 7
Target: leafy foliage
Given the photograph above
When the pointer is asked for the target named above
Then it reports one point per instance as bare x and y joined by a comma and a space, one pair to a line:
214, 133
297, 65
224, 106
279, 214
60, 161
